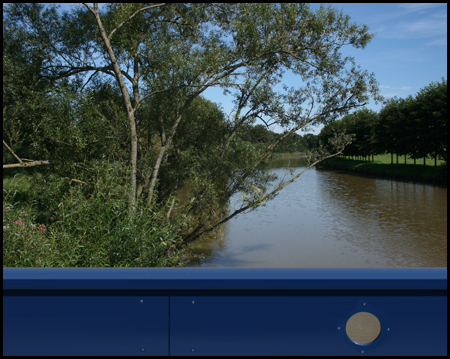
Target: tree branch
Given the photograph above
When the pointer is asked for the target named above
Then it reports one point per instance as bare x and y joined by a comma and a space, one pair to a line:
130, 17
197, 232
28, 164
10, 150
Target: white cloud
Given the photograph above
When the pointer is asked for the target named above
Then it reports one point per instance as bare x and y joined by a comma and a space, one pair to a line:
404, 88
416, 29
420, 7
411, 21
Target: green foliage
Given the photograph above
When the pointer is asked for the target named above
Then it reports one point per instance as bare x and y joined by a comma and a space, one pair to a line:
431, 121
88, 229
359, 124
415, 126
263, 137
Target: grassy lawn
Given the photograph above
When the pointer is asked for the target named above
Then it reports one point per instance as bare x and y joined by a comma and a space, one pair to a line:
386, 159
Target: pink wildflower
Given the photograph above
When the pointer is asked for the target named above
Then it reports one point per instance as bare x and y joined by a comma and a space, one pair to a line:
19, 222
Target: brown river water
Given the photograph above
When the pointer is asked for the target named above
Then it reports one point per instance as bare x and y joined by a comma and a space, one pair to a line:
332, 219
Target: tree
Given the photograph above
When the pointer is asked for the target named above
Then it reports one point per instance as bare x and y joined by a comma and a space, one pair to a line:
162, 57
25, 94
311, 141
360, 124
392, 125
328, 133
430, 119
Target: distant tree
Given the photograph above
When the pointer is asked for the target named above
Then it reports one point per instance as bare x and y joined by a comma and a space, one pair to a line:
311, 141
391, 127
329, 132
361, 124
260, 134
430, 121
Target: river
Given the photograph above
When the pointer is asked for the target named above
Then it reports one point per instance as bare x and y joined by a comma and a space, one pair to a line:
333, 219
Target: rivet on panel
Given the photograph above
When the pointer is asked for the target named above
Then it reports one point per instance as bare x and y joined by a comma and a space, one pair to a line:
142, 301
193, 302
142, 349
192, 350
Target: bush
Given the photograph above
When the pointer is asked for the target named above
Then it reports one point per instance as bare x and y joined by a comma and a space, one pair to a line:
89, 228
24, 242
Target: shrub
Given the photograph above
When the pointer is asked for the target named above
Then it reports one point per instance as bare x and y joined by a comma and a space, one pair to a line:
89, 228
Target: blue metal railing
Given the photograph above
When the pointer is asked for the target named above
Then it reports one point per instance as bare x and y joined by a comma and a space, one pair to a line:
199, 311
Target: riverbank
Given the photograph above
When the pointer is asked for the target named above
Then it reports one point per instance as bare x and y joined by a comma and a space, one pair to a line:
409, 172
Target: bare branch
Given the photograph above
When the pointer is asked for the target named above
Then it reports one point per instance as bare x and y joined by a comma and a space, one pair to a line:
75, 70
85, 4
90, 78
28, 164
10, 150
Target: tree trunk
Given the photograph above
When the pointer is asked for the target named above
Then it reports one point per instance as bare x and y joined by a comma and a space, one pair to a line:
163, 149
155, 173
130, 110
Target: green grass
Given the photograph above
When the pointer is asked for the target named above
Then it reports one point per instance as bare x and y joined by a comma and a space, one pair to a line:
20, 184
382, 167
386, 159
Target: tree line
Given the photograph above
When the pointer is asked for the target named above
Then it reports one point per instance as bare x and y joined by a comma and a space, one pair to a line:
260, 135
414, 127
103, 108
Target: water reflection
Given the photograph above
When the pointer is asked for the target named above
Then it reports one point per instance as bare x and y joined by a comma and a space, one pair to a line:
330, 219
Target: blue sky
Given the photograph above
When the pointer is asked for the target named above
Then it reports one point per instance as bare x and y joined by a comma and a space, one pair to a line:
408, 52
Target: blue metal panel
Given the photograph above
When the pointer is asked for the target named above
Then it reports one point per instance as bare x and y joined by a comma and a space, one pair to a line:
305, 323
122, 311
206, 278
85, 323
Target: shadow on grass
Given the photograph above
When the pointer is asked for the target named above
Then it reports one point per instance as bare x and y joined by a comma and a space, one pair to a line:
408, 172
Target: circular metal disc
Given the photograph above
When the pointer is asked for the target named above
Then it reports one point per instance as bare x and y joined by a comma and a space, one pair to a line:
363, 328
